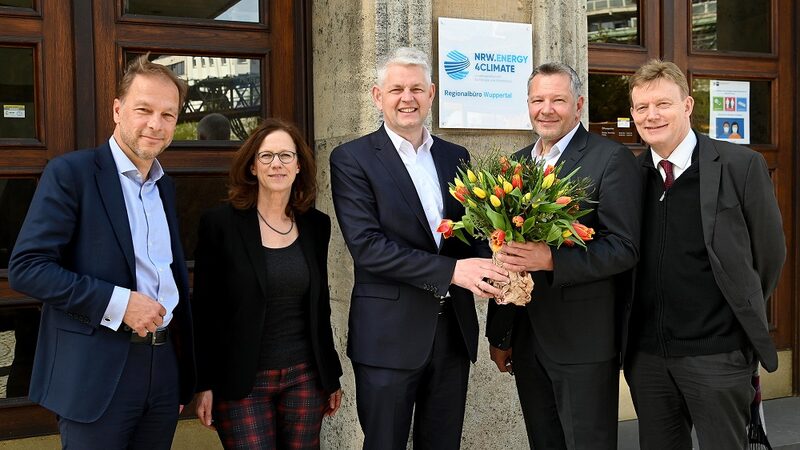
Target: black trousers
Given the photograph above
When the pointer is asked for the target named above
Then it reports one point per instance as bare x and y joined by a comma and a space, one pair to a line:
565, 406
710, 392
435, 393
143, 412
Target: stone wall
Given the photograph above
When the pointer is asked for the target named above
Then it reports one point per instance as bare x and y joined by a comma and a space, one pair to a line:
348, 37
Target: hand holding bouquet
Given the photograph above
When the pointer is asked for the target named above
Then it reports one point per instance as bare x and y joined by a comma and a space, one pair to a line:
522, 201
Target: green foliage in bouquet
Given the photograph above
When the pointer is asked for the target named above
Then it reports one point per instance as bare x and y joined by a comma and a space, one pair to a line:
505, 199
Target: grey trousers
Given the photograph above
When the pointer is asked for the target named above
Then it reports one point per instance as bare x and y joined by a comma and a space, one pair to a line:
710, 392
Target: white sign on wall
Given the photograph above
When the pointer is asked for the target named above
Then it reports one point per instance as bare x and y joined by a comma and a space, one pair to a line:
730, 111
483, 73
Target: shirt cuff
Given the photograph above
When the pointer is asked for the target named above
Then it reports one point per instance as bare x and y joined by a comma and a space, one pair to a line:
117, 305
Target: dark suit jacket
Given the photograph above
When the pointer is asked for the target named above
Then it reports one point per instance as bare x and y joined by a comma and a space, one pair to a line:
399, 270
74, 247
574, 310
743, 233
229, 303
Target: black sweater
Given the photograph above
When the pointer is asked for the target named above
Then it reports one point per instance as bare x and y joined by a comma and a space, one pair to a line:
678, 308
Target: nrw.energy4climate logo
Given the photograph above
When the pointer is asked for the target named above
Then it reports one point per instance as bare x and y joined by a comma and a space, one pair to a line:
456, 65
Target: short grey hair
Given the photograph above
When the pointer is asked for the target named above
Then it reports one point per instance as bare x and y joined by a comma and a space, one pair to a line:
404, 56
556, 68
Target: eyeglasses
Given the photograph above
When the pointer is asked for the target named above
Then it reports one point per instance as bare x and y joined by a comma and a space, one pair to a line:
283, 157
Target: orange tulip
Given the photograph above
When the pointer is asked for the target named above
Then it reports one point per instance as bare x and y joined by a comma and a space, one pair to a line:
516, 180
563, 200
504, 164
497, 239
446, 228
518, 221
499, 192
583, 232
460, 193
548, 170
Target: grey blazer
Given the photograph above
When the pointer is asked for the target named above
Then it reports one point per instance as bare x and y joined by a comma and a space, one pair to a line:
743, 232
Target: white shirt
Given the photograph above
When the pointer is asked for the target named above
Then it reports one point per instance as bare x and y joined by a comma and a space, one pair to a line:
422, 170
681, 157
551, 158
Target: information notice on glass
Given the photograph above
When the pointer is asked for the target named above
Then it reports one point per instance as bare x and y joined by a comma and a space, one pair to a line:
483, 73
729, 119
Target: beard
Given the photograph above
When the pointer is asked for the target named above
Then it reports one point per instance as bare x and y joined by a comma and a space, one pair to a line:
131, 140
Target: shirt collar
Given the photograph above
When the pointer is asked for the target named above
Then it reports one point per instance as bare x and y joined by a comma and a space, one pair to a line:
681, 157
126, 167
400, 142
559, 146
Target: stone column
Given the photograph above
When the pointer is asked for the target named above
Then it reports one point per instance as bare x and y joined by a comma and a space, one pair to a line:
559, 35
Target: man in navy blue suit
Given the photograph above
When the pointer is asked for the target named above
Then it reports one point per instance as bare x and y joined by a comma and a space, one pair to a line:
100, 248
413, 327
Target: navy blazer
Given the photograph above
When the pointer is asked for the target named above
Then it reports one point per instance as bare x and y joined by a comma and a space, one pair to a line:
398, 268
575, 309
230, 288
743, 233
74, 247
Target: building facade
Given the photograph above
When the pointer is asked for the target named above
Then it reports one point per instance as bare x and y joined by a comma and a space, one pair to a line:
313, 62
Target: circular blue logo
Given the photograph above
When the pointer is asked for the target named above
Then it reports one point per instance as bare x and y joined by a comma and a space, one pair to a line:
456, 65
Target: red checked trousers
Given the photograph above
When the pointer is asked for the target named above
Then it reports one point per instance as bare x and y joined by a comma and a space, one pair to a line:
283, 411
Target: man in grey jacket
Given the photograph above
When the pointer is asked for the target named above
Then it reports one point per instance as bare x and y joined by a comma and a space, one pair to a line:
712, 249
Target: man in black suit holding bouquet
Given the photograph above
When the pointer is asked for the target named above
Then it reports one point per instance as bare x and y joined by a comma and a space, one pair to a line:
413, 328
563, 346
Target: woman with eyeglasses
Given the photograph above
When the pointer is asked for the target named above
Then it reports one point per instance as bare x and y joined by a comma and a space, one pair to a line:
268, 371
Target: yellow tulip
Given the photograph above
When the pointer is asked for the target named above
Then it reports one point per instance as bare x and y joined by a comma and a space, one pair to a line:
507, 187
495, 201
471, 203
480, 193
458, 181
527, 197
566, 234
471, 176
548, 180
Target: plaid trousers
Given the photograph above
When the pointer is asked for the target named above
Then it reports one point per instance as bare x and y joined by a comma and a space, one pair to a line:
283, 411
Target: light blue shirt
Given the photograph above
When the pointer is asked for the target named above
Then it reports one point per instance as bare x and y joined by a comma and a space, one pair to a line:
151, 240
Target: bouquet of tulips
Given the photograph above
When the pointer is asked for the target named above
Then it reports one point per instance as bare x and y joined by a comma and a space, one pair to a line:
522, 201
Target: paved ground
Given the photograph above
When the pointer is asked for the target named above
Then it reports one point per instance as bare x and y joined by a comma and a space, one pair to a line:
781, 415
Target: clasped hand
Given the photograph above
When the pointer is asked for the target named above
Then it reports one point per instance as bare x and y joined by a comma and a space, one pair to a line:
475, 274
525, 256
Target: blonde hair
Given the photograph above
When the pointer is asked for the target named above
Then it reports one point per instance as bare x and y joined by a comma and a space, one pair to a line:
656, 69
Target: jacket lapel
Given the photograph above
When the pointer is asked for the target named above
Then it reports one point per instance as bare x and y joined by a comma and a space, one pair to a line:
246, 222
390, 159
574, 151
444, 170
108, 184
710, 172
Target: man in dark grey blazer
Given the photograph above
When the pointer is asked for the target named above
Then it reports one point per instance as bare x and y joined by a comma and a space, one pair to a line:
711, 254
565, 341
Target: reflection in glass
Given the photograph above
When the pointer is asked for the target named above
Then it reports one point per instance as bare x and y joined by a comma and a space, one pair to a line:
17, 3
231, 10
18, 330
18, 119
760, 118
195, 195
609, 108
731, 25
227, 90
15, 197
613, 21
